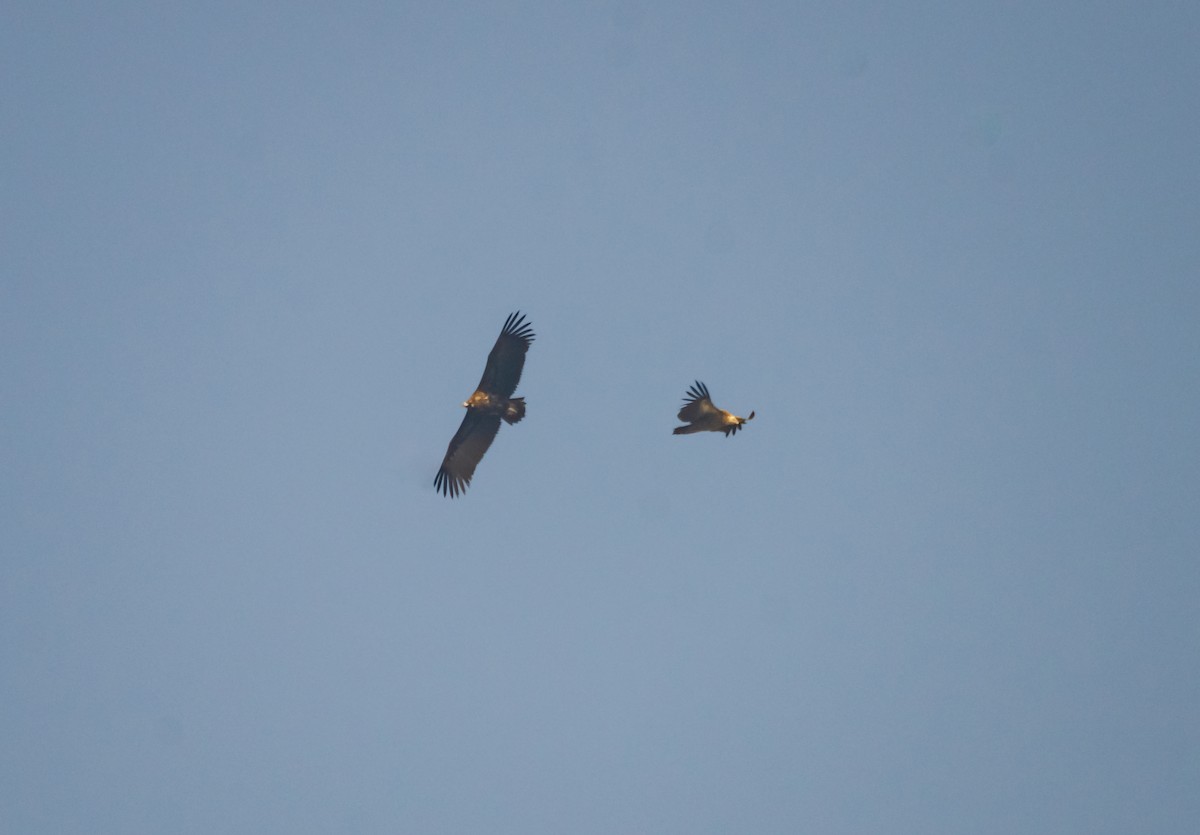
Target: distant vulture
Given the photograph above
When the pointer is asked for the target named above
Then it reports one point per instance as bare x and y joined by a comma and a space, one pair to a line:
702, 416
491, 401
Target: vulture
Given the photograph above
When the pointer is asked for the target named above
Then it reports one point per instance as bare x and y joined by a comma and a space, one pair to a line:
702, 416
491, 403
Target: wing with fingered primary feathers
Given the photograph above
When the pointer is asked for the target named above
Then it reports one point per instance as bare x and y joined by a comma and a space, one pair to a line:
475, 434
507, 358
697, 405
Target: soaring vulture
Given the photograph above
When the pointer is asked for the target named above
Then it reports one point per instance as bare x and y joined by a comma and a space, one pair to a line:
491, 402
702, 416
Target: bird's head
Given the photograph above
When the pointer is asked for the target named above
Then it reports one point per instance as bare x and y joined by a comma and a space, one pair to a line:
732, 428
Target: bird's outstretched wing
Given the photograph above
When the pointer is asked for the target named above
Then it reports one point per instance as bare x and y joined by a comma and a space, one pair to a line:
507, 359
466, 449
697, 405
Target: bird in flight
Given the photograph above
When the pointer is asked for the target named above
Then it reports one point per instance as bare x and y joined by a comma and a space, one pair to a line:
702, 416
491, 402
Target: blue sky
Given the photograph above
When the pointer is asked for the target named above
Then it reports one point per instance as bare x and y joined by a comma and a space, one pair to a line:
252, 261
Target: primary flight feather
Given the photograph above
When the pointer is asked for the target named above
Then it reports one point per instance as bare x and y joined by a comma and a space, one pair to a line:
491, 403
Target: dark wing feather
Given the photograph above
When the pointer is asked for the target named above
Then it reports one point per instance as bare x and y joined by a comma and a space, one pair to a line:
466, 449
697, 404
507, 359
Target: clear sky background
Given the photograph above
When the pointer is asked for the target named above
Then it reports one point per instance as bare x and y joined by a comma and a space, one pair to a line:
253, 258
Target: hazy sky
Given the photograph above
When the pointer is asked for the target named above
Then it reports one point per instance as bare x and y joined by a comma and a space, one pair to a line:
253, 259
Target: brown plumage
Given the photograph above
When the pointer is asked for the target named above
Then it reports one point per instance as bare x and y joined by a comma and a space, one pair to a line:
702, 416
491, 402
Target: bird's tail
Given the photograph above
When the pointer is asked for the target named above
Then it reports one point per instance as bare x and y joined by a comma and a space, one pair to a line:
515, 410
687, 430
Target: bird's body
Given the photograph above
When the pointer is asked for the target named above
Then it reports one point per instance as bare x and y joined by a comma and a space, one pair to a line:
511, 409
701, 415
491, 403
